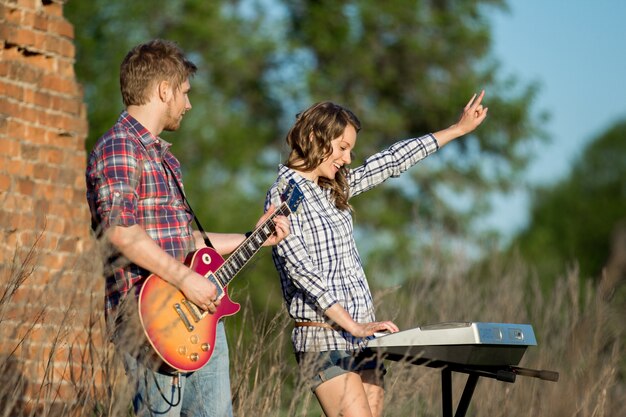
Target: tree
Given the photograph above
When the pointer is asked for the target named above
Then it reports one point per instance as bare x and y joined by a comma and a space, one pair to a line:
572, 221
405, 67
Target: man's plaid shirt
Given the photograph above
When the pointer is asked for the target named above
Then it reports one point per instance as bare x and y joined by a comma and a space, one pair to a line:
128, 183
318, 262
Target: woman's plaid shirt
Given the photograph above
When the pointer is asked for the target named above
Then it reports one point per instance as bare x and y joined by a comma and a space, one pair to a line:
129, 182
318, 262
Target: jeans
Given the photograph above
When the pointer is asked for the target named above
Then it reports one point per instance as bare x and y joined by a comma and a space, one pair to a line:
319, 367
203, 393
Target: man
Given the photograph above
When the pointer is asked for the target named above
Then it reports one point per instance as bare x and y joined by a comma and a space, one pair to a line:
135, 192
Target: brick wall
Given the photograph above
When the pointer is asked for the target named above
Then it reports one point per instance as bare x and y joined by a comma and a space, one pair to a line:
50, 293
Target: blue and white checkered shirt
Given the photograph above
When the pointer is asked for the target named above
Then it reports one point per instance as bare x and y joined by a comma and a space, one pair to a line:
318, 262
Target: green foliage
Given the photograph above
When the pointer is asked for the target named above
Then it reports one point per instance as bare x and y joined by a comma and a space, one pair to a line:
405, 67
573, 220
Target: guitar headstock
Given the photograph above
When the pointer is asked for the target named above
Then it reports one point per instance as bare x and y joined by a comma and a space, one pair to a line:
292, 195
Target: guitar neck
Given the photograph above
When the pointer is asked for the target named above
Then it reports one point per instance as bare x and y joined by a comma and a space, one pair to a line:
248, 248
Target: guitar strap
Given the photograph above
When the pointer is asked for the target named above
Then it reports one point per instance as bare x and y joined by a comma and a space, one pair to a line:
205, 237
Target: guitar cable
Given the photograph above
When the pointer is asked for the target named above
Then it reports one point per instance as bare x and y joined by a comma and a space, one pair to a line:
176, 386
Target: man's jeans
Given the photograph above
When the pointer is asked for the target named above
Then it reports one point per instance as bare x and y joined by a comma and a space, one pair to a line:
204, 393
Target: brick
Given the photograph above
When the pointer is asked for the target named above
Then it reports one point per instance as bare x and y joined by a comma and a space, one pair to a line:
15, 69
36, 135
12, 90
54, 9
44, 173
65, 68
63, 28
10, 107
67, 48
28, 19
41, 21
22, 37
25, 186
54, 156
55, 83
66, 105
6, 182
16, 128
29, 4
19, 168
49, 43
13, 16
40, 61
10, 147
26, 221
29, 114
29, 152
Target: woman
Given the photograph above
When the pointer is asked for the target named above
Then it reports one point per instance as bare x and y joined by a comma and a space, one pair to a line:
323, 283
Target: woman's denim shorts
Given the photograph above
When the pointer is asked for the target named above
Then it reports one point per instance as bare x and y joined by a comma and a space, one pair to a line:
319, 367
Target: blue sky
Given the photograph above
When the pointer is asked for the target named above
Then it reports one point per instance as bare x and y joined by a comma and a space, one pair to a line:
576, 50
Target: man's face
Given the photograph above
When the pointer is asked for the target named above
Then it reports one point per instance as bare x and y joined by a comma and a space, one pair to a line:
177, 106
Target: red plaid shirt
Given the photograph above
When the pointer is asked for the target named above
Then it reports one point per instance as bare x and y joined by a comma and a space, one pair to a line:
130, 181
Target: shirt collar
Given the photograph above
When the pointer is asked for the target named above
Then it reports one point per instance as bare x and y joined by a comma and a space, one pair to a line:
144, 135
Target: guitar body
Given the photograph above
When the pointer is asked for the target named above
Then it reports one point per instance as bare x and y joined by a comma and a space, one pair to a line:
181, 334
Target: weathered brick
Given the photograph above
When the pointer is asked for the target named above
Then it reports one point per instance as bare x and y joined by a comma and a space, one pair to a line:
10, 146
54, 8
25, 186
14, 91
6, 181
29, 4
43, 126
42, 22
63, 28
12, 15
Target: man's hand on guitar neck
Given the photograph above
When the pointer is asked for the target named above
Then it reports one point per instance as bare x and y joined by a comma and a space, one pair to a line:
281, 224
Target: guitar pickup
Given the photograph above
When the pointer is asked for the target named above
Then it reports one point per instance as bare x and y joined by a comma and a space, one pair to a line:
193, 310
183, 317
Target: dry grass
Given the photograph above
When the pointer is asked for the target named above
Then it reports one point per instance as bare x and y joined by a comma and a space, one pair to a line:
580, 332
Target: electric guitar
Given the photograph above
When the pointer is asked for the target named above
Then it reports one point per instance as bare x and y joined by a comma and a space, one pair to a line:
181, 333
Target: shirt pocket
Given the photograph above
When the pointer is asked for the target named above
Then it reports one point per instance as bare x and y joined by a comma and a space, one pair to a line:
154, 184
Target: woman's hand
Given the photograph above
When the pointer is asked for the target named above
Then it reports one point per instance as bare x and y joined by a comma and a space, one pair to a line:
368, 329
473, 115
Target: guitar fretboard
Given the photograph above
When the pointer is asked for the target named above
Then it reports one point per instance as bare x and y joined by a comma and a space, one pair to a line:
248, 248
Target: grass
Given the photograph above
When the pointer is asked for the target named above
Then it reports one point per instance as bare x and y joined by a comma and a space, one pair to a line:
579, 327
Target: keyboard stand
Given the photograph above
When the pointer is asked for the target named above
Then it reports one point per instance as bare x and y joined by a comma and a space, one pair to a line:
501, 373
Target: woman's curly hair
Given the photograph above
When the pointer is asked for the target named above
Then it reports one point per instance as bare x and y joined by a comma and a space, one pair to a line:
310, 142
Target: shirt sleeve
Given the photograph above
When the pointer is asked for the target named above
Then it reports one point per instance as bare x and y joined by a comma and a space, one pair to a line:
296, 264
390, 162
115, 181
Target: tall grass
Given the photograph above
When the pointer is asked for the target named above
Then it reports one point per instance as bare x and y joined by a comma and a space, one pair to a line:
580, 333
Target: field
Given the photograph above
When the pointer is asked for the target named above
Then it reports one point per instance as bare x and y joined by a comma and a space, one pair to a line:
579, 327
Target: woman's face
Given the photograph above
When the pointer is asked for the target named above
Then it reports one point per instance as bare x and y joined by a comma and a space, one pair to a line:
342, 146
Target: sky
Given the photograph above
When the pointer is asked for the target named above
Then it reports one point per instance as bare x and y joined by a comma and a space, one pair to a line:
576, 50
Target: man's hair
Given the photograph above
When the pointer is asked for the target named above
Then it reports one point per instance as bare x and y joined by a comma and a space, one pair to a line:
150, 63
310, 142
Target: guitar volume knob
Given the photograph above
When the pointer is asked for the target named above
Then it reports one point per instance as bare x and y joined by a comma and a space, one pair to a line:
193, 357
205, 347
